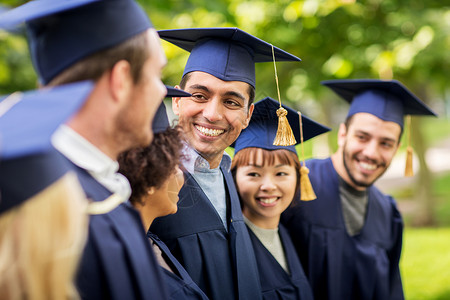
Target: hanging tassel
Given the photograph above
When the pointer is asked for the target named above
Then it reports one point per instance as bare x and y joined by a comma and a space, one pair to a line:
409, 151
409, 168
306, 189
284, 136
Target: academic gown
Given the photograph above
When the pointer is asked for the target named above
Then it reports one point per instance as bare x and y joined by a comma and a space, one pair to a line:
275, 282
117, 262
179, 285
221, 263
338, 265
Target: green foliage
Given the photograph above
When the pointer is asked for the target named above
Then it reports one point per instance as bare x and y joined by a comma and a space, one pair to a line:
403, 39
385, 39
441, 192
425, 265
16, 71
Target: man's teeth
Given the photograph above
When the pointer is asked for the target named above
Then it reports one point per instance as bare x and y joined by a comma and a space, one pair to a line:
369, 167
268, 200
209, 131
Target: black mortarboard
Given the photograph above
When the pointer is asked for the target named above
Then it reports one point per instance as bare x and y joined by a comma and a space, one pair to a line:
63, 32
28, 162
229, 54
262, 129
174, 92
388, 100
161, 121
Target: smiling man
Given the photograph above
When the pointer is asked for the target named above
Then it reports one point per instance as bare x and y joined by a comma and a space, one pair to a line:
349, 240
207, 234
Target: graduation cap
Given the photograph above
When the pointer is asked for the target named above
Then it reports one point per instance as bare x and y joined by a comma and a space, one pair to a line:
263, 127
28, 162
229, 54
388, 100
161, 121
63, 32
173, 92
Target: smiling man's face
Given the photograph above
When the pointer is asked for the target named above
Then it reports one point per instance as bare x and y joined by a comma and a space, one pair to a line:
214, 116
368, 146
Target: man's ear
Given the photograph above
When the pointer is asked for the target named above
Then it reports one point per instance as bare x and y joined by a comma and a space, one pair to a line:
342, 135
176, 103
120, 80
249, 115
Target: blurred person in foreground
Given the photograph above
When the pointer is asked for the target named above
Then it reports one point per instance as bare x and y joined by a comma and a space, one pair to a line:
43, 210
113, 44
349, 240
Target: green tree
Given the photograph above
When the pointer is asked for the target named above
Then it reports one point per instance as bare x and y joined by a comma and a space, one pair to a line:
408, 40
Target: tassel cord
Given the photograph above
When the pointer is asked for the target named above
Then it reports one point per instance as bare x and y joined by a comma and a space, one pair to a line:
276, 76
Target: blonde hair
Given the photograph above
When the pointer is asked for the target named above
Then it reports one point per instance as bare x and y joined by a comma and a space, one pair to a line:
41, 242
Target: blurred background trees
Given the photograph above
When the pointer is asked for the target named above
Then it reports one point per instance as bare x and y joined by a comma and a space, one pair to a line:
407, 40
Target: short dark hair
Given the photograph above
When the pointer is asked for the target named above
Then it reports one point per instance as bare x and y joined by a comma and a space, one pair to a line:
151, 166
135, 50
251, 89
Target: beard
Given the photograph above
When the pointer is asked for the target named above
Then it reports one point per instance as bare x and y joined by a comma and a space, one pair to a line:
347, 158
130, 134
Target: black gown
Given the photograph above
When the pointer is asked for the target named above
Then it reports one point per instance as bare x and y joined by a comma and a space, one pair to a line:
340, 266
276, 284
118, 262
221, 263
179, 285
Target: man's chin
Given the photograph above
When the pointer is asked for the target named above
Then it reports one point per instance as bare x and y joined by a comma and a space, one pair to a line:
146, 140
362, 183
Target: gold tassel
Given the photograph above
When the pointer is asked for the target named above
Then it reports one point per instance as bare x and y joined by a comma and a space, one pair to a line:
284, 136
409, 168
409, 151
306, 189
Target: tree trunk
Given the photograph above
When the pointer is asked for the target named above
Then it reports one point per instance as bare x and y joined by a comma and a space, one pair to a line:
423, 191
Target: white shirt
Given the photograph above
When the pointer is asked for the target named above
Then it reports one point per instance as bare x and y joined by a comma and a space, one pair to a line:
86, 156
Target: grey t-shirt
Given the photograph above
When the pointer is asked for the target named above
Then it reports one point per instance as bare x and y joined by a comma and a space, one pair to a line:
354, 207
270, 238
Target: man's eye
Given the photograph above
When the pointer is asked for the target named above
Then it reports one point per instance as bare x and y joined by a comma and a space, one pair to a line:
361, 137
387, 145
232, 103
198, 97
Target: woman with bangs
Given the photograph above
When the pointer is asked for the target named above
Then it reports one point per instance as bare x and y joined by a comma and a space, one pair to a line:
267, 178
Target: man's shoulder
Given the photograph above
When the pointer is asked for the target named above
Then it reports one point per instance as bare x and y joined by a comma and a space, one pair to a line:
318, 161
319, 165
